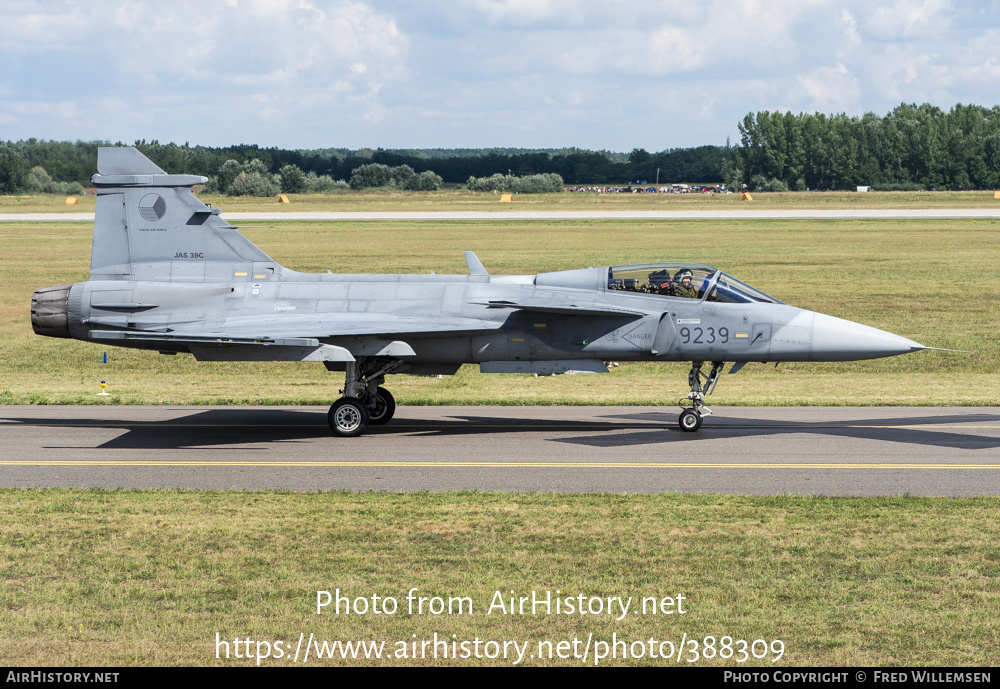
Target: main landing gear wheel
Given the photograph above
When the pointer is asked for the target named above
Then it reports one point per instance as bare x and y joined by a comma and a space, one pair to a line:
690, 420
385, 407
363, 402
348, 418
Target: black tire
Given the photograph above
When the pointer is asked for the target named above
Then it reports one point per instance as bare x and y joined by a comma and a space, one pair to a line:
690, 420
348, 418
385, 407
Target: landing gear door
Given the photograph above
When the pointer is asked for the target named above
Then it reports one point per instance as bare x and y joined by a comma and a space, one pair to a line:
665, 333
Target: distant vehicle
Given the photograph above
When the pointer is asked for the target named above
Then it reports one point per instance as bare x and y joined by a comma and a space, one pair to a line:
168, 274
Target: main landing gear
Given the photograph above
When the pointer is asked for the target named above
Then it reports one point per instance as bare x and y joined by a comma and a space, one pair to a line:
364, 403
694, 408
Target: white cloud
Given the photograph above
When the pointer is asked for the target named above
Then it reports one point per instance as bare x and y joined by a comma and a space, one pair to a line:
175, 62
851, 36
594, 73
982, 51
663, 39
66, 111
909, 19
831, 88
528, 12
191, 39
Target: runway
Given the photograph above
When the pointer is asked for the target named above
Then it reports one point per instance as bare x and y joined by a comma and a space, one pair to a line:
508, 215
739, 450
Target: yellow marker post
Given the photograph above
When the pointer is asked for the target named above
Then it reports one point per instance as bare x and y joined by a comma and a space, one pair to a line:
506, 198
71, 201
283, 199
996, 194
746, 196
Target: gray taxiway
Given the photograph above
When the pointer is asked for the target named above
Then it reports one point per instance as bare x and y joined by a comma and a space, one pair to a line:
745, 450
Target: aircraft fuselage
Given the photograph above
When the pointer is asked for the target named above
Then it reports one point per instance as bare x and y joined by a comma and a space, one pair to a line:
657, 328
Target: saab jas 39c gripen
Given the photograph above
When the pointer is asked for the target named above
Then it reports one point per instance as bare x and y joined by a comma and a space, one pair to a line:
167, 273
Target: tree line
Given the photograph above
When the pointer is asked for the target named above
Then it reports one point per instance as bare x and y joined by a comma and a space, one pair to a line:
76, 162
911, 147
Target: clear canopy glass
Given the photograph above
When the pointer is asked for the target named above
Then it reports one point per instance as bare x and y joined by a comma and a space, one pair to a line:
684, 280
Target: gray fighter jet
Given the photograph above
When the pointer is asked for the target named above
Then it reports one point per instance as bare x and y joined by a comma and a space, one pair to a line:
170, 275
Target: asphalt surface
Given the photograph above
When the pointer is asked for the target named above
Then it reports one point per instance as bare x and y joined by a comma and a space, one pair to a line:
757, 451
741, 214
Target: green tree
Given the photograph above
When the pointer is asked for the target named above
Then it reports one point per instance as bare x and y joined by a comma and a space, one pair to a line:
372, 175
293, 181
402, 177
253, 184
37, 181
256, 165
530, 184
427, 181
230, 170
13, 170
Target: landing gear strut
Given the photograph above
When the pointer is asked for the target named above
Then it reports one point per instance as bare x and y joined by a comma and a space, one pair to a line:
364, 402
694, 408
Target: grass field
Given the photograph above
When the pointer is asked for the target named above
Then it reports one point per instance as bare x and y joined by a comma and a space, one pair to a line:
457, 200
935, 281
148, 578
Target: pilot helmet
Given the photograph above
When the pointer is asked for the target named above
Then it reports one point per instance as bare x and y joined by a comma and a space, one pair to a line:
684, 273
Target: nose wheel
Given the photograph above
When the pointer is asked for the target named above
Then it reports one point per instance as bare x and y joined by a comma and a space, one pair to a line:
690, 420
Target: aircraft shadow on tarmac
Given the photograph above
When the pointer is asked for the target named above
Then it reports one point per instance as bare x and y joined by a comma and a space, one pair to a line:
894, 429
241, 426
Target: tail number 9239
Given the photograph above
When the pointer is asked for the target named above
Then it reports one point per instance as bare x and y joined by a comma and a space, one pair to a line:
704, 335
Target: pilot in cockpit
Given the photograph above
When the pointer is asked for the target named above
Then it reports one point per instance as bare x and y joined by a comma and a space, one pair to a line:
684, 284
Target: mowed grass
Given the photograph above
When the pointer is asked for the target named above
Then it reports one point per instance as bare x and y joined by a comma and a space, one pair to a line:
935, 281
458, 199
107, 578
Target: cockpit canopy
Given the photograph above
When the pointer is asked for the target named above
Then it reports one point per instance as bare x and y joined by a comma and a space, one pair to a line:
685, 280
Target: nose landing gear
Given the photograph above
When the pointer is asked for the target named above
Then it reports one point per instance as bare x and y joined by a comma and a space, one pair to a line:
694, 408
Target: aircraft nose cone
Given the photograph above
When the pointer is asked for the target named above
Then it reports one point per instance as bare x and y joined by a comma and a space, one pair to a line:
835, 339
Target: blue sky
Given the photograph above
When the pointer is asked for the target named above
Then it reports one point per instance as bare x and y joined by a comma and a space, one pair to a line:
610, 74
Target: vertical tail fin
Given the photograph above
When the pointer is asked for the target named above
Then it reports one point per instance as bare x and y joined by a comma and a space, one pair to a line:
149, 226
